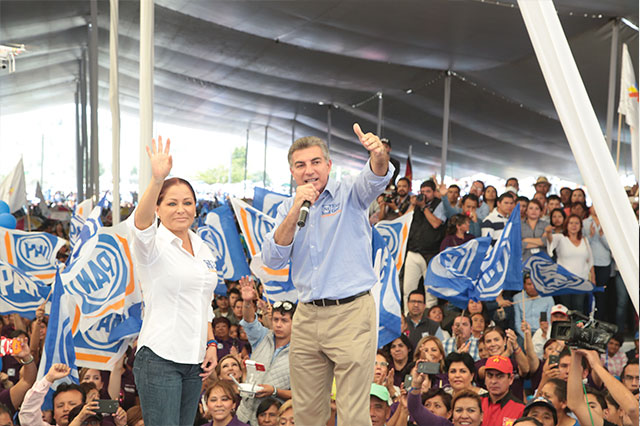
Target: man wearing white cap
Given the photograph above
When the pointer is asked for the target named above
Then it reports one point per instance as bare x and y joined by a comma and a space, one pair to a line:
540, 337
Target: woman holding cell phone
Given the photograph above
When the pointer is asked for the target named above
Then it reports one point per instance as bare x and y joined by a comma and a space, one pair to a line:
176, 348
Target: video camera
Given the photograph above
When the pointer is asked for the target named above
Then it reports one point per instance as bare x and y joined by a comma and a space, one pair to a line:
583, 332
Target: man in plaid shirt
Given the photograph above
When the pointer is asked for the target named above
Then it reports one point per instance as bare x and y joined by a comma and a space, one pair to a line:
614, 359
462, 340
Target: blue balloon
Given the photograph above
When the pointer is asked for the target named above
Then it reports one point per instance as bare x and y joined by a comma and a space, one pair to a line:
4, 207
8, 221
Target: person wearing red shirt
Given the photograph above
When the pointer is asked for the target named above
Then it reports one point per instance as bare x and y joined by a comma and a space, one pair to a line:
500, 407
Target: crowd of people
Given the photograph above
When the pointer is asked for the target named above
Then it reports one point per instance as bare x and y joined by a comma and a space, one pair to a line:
489, 364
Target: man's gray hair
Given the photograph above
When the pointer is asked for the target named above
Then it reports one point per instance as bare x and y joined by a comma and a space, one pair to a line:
308, 142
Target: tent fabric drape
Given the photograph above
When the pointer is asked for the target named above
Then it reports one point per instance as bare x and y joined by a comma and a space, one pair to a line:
585, 137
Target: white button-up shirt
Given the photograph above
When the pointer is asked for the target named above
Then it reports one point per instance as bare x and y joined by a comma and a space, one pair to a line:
177, 289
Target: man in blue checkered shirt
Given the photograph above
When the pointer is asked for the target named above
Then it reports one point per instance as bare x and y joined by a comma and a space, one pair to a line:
462, 340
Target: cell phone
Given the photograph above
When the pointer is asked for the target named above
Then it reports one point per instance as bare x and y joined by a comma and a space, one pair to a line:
408, 379
553, 361
107, 406
543, 316
428, 367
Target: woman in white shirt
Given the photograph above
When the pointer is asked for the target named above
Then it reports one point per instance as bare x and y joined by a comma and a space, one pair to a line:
574, 254
176, 348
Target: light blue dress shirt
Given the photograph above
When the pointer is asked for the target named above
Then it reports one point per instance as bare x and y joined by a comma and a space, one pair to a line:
331, 256
599, 245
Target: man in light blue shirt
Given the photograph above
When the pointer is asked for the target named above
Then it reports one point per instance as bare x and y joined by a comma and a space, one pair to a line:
334, 331
534, 304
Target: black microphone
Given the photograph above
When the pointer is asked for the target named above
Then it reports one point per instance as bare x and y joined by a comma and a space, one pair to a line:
304, 213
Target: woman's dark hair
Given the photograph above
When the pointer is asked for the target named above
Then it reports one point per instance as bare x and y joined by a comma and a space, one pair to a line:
228, 387
564, 215
462, 357
267, 403
497, 329
168, 183
537, 203
485, 191
435, 307
405, 341
584, 195
565, 226
433, 392
454, 221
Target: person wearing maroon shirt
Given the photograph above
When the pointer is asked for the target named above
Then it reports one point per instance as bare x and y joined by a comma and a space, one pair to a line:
500, 407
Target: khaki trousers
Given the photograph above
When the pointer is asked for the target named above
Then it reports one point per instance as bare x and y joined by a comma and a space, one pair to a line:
327, 342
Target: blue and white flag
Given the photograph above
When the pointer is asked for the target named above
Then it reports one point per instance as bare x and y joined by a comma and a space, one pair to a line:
267, 201
105, 342
386, 292
255, 225
101, 279
20, 292
221, 235
396, 235
551, 279
476, 270
31, 252
78, 218
89, 228
58, 345
501, 268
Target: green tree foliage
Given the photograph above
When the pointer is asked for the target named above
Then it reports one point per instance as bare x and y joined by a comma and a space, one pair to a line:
220, 174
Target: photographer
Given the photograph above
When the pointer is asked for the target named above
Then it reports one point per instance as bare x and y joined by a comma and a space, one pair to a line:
575, 396
396, 202
425, 236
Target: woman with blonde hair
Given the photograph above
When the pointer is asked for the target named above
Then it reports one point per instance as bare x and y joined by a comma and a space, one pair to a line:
285, 414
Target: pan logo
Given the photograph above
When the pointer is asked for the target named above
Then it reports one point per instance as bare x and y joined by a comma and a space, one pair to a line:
104, 276
262, 225
391, 234
33, 252
215, 240
18, 291
97, 337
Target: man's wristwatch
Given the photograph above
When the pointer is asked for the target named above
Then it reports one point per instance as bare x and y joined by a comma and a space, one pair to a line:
275, 392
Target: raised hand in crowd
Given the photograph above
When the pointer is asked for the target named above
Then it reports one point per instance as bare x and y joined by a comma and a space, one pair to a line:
248, 294
575, 396
57, 371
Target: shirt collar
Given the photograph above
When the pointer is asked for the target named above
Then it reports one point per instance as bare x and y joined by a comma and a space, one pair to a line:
505, 399
170, 238
331, 187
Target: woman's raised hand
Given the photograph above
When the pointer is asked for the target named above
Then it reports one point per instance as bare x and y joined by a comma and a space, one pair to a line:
161, 160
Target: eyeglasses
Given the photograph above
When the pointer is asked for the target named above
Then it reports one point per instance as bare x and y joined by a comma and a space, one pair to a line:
381, 364
285, 306
419, 302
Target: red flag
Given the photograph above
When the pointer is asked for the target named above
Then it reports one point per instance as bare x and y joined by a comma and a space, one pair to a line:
408, 173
